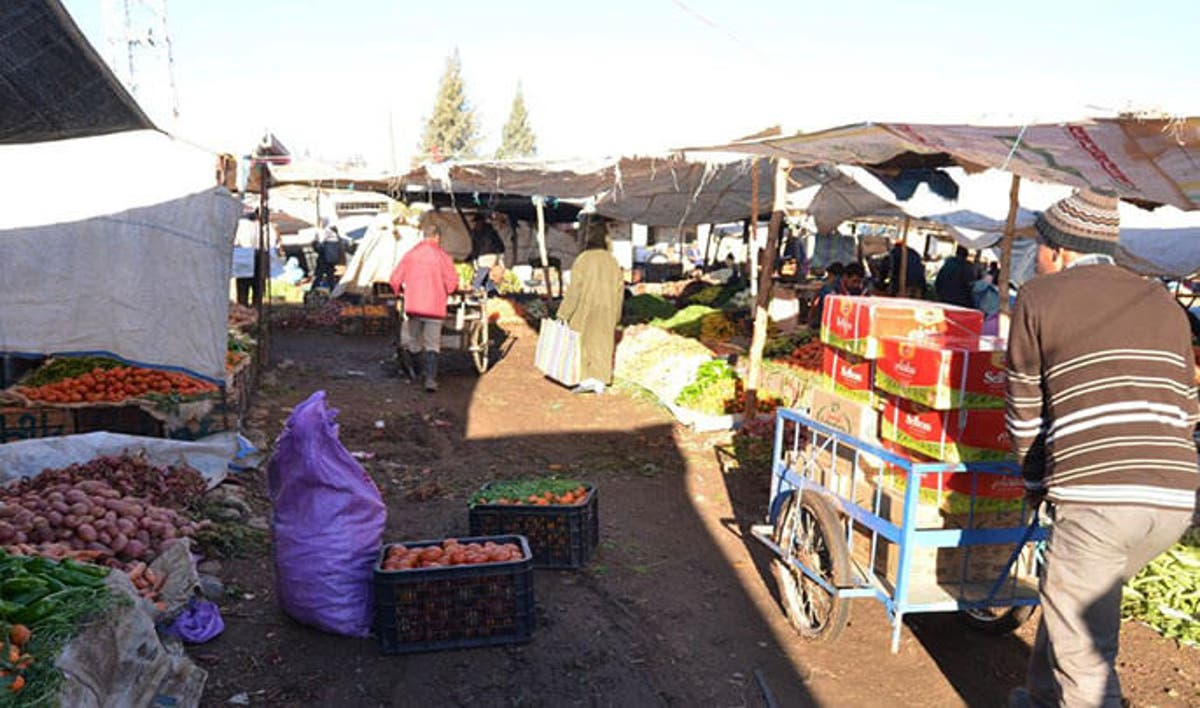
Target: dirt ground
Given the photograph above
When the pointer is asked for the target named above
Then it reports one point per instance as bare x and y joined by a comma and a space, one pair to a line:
678, 607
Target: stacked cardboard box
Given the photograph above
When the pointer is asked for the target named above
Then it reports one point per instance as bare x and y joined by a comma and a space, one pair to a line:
918, 379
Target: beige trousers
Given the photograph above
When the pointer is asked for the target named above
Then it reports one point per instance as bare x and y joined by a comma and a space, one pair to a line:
1092, 552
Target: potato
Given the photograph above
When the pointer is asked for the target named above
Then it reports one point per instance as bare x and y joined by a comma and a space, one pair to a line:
76, 496
126, 526
135, 549
105, 538
87, 532
55, 518
71, 521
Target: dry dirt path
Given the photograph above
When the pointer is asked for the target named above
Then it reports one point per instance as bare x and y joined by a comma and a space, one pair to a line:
677, 608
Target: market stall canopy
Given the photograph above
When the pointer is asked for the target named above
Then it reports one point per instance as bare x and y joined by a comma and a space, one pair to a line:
664, 190
134, 262
1154, 160
53, 85
1163, 241
312, 172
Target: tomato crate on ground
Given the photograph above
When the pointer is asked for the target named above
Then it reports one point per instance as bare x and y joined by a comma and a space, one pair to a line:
454, 607
560, 535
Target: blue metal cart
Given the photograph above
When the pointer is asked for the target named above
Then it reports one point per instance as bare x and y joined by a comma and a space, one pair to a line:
834, 531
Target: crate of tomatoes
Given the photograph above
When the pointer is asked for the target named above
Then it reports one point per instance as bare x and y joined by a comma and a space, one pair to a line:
561, 518
453, 594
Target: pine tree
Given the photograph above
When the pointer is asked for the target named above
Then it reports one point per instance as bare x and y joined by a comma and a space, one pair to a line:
517, 139
453, 130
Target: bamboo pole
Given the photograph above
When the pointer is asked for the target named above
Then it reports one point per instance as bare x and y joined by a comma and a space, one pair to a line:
902, 287
1006, 247
751, 250
758, 340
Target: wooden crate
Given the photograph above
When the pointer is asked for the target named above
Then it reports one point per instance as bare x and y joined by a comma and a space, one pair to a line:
27, 423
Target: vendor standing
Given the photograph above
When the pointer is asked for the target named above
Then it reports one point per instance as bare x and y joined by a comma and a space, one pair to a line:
592, 307
955, 280
487, 250
844, 280
1101, 411
425, 277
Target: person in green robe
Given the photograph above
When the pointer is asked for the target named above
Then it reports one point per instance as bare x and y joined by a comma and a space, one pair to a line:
592, 307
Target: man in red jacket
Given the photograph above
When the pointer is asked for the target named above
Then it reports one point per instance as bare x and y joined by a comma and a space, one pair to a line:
424, 277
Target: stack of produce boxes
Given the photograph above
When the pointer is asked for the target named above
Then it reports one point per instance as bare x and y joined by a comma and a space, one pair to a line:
918, 378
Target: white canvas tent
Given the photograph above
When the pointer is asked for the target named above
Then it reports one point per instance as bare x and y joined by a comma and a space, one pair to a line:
133, 260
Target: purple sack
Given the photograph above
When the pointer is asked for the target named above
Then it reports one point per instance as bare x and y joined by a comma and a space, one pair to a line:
328, 524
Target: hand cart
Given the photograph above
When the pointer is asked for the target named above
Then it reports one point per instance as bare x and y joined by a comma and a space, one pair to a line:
465, 328
837, 535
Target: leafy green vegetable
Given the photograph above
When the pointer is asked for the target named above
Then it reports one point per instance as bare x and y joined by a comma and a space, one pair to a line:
523, 488
686, 322
646, 307
60, 368
715, 385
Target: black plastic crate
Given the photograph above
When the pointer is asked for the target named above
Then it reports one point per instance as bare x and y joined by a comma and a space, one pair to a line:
560, 536
454, 607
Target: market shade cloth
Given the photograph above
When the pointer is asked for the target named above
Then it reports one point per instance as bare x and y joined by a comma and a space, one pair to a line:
662, 190
1164, 241
135, 262
53, 85
1154, 160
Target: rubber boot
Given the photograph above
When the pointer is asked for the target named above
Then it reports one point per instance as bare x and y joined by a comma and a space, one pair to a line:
431, 371
408, 365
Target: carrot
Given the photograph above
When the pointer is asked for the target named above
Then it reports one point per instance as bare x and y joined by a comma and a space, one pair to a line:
19, 634
17, 684
14, 654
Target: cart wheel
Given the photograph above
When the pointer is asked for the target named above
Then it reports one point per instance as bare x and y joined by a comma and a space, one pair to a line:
479, 344
819, 546
997, 620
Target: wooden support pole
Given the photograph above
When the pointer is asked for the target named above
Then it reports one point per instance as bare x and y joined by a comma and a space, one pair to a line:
758, 340
902, 276
540, 205
1006, 246
751, 250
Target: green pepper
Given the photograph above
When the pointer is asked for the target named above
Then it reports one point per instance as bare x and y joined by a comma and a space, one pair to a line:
46, 605
8, 609
96, 571
76, 575
24, 589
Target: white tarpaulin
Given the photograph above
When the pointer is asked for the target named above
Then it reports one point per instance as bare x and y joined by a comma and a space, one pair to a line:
1156, 160
378, 254
134, 261
1165, 241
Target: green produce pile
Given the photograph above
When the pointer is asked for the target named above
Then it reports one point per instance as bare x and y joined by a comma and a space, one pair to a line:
1166, 594
715, 385
782, 346
57, 369
687, 321
53, 600
524, 488
643, 308
716, 295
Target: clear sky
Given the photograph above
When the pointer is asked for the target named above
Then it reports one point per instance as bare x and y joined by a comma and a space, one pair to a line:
627, 76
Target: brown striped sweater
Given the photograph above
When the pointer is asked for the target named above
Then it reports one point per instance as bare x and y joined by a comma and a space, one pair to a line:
1101, 401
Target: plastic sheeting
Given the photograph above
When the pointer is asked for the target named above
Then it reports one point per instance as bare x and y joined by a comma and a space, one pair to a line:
53, 84
1150, 159
210, 456
149, 285
378, 254
664, 190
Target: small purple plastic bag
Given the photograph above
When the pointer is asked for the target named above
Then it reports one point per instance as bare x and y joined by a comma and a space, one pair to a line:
199, 622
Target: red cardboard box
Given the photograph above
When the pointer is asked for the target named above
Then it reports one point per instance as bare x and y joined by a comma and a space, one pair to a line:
857, 324
951, 491
944, 372
848, 375
961, 435
846, 415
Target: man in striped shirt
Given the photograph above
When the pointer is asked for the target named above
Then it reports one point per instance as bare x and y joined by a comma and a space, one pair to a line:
1101, 410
